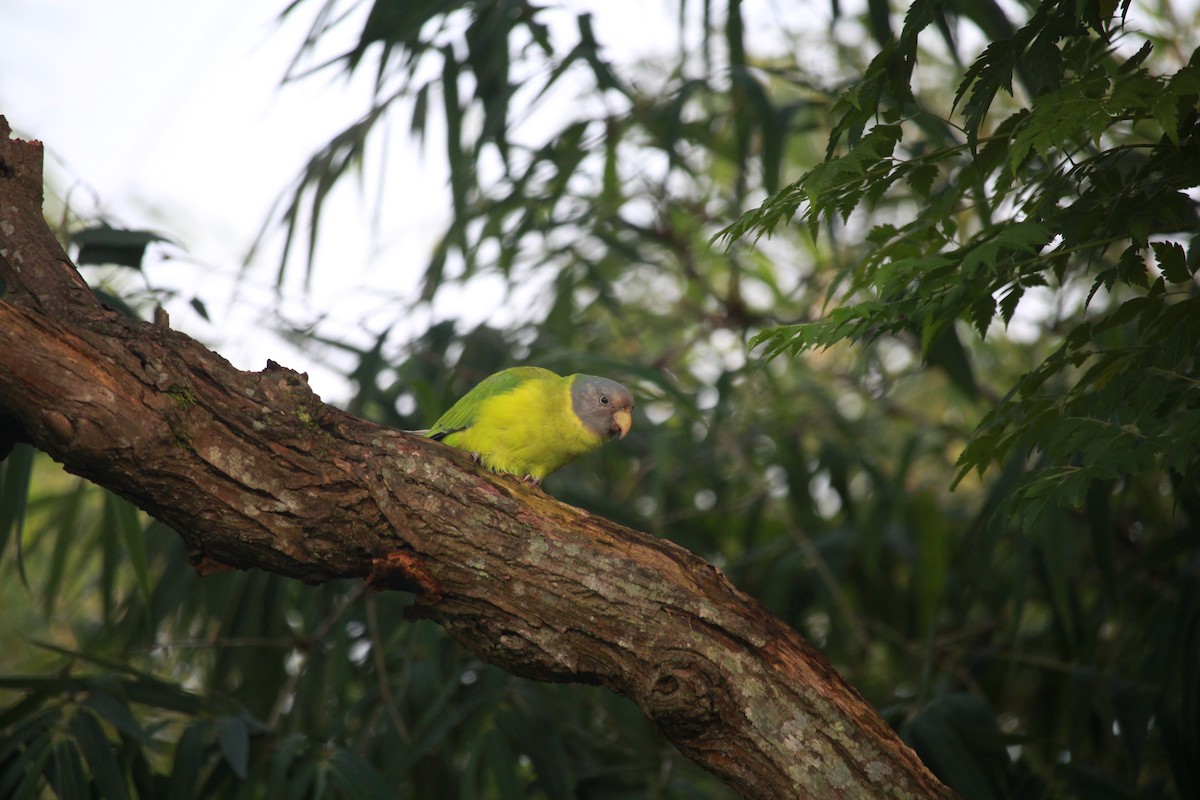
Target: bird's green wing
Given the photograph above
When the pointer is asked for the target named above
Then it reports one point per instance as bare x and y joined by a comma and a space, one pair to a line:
462, 414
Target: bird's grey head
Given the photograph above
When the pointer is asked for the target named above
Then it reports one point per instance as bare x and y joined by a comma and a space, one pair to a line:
606, 407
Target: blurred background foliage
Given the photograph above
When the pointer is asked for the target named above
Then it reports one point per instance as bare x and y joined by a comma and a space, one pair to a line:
948, 428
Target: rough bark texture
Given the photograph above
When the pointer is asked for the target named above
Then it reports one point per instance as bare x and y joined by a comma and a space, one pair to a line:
254, 471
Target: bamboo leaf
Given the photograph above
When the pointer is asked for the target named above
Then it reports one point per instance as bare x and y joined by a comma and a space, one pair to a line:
233, 737
128, 524
69, 780
15, 475
100, 755
357, 779
188, 762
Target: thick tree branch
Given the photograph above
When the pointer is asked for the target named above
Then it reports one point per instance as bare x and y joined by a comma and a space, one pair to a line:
253, 470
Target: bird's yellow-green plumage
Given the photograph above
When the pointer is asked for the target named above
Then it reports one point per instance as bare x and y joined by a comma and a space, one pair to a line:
528, 421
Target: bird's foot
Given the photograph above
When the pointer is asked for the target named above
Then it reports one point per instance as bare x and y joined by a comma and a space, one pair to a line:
532, 481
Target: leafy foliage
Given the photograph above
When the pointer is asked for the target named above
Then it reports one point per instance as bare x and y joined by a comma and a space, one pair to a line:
994, 289
104, 244
1070, 189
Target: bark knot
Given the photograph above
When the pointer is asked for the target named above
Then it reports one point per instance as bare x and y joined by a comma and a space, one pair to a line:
58, 426
684, 695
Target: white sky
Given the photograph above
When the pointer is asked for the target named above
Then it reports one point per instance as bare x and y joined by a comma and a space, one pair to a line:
169, 116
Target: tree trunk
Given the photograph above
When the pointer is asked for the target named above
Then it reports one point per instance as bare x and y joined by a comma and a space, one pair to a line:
254, 471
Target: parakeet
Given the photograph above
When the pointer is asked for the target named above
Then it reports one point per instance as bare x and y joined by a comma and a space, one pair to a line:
528, 421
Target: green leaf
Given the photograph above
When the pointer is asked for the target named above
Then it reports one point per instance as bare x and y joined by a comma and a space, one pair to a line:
100, 755
921, 178
104, 702
933, 548
1136, 60
233, 737
286, 752
69, 780
1044, 63
879, 15
1172, 261
299, 785
991, 72
103, 244
129, 525
456, 155
502, 765
956, 735
990, 251
200, 308
945, 351
15, 475
34, 761
1010, 301
189, 759
606, 78
24, 750
1098, 511
548, 754
357, 779
1056, 571
31, 707
66, 541
982, 311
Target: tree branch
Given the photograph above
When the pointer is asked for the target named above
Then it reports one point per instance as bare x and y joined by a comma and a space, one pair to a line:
254, 471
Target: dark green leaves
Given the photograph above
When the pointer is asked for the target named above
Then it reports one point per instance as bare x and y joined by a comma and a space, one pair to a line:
1041, 204
957, 736
68, 779
104, 244
233, 736
15, 474
100, 755
831, 189
1172, 262
1130, 408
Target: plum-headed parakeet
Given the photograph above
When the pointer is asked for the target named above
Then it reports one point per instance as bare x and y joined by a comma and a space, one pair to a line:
528, 422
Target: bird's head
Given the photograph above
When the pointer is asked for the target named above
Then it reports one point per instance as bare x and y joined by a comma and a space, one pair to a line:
606, 407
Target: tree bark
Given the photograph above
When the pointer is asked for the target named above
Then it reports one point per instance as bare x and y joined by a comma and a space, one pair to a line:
254, 471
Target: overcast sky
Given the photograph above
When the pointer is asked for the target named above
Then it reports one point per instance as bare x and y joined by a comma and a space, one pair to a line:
169, 116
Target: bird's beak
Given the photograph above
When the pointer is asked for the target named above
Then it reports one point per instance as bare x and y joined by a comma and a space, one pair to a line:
624, 421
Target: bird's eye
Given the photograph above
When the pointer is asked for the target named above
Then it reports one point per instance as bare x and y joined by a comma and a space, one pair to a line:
603, 399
